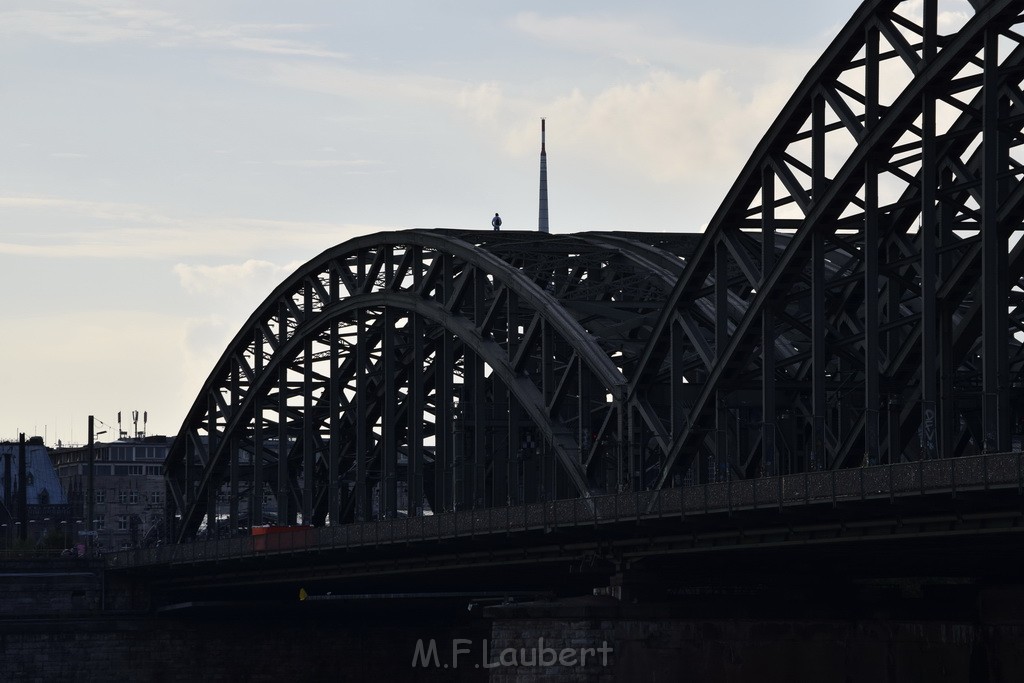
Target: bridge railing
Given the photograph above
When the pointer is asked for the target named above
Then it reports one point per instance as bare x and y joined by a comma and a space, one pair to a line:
953, 477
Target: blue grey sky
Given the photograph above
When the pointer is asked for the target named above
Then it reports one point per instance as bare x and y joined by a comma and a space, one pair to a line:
164, 165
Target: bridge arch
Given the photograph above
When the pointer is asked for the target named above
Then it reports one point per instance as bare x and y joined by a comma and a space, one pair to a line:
873, 228
856, 299
418, 370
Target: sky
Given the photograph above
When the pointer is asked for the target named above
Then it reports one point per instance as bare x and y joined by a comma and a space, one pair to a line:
164, 165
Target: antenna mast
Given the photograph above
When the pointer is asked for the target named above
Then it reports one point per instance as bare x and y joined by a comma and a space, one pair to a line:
542, 221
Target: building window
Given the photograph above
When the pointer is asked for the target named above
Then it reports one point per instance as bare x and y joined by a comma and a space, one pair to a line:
156, 498
133, 497
122, 522
101, 522
122, 496
101, 495
135, 470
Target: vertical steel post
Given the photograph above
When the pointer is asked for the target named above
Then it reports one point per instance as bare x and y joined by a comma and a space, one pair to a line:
547, 389
871, 251
721, 341
678, 344
769, 466
361, 402
233, 447
258, 446
928, 240
308, 412
444, 367
995, 410
948, 419
819, 360
414, 414
479, 456
416, 396
515, 453
334, 415
284, 506
388, 423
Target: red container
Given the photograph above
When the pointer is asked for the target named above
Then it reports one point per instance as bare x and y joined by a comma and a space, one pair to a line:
266, 538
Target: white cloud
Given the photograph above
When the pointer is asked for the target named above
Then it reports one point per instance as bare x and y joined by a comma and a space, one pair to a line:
403, 89
663, 125
483, 102
328, 163
230, 278
667, 128
111, 230
106, 22
587, 34
651, 43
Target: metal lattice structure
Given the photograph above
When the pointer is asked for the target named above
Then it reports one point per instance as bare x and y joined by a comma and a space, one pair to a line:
426, 370
856, 299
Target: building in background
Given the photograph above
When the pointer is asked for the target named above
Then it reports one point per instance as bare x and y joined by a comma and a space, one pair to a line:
129, 490
33, 503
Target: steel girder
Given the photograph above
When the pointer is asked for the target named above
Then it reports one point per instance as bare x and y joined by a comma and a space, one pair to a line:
872, 229
424, 370
856, 298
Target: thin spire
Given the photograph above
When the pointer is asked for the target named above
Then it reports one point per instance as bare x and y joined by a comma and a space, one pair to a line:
542, 221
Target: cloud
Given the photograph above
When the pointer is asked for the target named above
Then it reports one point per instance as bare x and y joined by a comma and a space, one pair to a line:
107, 22
232, 277
667, 128
483, 102
665, 124
111, 230
952, 14
402, 89
328, 163
650, 42
586, 34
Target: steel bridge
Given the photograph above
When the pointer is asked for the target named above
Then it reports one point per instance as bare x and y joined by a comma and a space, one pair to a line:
855, 306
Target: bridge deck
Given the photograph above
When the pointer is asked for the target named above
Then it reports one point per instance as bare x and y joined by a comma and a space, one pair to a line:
766, 497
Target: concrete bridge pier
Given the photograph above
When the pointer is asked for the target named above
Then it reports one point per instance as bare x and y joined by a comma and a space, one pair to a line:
639, 630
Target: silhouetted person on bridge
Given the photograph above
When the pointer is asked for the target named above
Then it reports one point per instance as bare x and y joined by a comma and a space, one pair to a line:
496, 222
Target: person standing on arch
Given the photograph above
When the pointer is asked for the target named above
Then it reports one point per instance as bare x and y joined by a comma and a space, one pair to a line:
496, 221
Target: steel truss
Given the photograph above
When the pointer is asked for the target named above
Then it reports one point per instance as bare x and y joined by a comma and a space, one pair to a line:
425, 370
876, 230
856, 299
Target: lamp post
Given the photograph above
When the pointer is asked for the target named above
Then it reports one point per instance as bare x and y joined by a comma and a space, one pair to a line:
90, 488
